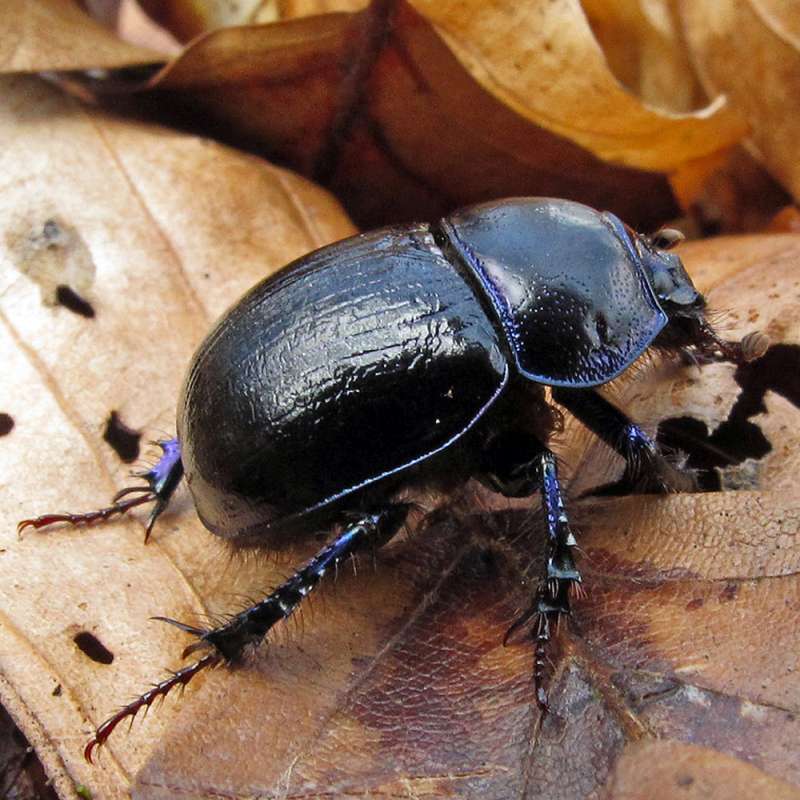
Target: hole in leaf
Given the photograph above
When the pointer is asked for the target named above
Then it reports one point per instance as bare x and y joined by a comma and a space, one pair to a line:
6, 424
92, 647
123, 439
71, 300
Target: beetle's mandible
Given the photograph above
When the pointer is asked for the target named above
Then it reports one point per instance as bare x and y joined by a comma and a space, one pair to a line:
415, 358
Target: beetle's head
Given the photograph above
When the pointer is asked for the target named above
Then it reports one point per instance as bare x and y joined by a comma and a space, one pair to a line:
688, 326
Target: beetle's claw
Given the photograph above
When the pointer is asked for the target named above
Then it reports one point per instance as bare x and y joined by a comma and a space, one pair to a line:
201, 644
513, 634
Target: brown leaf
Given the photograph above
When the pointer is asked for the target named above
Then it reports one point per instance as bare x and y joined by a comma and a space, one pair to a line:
399, 683
643, 47
417, 108
408, 109
189, 18
147, 227
750, 50
42, 35
657, 770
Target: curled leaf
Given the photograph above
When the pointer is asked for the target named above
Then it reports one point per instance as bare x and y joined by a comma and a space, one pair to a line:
46, 35
750, 50
408, 109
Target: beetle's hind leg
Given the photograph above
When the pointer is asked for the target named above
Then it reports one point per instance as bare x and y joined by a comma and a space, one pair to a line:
561, 579
228, 642
646, 467
161, 480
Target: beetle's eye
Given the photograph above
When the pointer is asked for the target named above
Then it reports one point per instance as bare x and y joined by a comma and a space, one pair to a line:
666, 238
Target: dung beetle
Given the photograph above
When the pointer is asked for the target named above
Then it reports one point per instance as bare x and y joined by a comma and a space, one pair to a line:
409, 360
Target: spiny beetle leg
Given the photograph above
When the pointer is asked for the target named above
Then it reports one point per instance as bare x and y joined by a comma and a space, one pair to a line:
161, 480
251, 625
646, 466
145, 700
561, 577
228, 642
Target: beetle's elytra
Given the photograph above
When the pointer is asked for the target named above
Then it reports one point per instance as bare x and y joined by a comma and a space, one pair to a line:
415, 358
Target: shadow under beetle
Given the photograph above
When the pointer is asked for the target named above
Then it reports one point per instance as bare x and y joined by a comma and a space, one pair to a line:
410, 358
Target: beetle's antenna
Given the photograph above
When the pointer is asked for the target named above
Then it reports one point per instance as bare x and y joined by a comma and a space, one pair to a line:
159, 690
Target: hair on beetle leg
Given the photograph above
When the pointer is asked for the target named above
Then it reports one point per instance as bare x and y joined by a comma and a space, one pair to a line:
577, 591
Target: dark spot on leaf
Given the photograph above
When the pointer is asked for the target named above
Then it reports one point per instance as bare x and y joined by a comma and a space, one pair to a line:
70, 299
684, 780
92, 647
482, 562
694, 604
643, 689
6, 424
57, 691
729, 592
123, 439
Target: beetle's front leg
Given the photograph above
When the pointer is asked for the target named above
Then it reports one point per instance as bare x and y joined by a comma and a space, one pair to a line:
645, 465
561, 577
228, 642
160, 483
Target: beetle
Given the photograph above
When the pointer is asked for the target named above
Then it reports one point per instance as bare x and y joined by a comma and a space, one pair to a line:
411, 359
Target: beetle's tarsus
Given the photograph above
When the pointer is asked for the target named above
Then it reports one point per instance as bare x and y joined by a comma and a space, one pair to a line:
160, 483
160, 690
181, 625
88, 518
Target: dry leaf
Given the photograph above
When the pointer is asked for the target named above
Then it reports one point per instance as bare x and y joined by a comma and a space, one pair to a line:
399, 683
642, 44
522, 54
730, 194
408, 109
392, 86
49, 35
665, 770
189, 18
750, 50
157, 233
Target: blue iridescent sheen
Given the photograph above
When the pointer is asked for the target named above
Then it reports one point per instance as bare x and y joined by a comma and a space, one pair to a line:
568, 286
163, 470
251, 625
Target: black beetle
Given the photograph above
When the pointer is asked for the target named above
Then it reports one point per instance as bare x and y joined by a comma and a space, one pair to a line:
413, 358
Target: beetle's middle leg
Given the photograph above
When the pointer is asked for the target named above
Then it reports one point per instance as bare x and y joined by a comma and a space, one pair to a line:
561, 576
227, 642
645, 464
